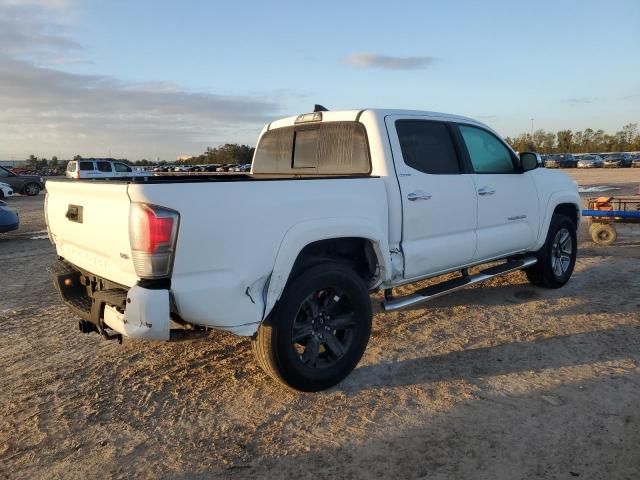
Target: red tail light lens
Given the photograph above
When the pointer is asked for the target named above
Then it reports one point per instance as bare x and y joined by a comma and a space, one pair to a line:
152, 234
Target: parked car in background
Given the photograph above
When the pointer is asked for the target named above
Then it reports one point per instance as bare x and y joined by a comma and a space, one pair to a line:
560, 160
635, 161
212, 167
224, 167
102, 169
5, 190
9, 219
617, 160
24, 184
590, 161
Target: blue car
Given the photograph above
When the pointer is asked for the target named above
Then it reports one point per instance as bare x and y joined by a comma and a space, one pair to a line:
8, 218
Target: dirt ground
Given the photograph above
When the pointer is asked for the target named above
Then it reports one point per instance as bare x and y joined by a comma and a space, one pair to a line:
500, 381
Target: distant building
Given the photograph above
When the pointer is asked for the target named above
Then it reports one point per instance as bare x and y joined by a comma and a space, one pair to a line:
183, 157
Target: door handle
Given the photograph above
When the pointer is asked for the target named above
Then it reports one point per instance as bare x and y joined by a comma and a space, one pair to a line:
486, 191
419, 195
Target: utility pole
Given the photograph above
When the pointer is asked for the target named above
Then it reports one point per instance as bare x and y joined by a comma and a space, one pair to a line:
532, 119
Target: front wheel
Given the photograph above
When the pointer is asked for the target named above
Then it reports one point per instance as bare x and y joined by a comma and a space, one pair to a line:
557, 257
32, 189
319, 330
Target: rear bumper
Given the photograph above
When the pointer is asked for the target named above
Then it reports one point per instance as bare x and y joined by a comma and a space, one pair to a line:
137, 312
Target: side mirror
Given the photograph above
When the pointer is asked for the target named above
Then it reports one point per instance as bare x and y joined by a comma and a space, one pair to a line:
529, 161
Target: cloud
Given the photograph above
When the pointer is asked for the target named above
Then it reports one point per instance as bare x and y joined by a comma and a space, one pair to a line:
373, 60
36, 30
55, 4
574, 101
45, 110
96, 111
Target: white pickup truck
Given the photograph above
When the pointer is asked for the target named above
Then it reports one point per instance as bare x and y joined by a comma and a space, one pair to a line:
338, 204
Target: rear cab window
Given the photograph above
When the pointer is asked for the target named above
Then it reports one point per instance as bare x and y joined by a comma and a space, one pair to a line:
71, 166
329, 148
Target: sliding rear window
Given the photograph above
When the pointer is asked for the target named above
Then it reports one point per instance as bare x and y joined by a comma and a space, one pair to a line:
331, 148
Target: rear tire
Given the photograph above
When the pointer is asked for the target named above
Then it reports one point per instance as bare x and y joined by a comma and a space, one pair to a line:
557, 257
318, 331
603, 234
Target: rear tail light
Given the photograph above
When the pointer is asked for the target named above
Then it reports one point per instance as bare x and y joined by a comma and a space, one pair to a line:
152, 233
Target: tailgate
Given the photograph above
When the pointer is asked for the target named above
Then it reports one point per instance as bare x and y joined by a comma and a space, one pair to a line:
89, 223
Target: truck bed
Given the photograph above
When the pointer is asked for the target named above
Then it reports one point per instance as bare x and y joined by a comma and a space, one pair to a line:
233, 229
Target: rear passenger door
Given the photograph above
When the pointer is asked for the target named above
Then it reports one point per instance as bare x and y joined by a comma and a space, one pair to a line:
438, 198
507, 197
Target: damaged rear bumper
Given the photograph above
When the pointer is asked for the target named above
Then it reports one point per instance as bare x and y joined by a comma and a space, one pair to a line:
136, 312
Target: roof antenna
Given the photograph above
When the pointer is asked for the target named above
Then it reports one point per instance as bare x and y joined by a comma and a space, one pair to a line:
319, 108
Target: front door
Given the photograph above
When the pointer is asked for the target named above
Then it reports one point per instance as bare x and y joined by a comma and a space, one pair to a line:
439, 202
507, 198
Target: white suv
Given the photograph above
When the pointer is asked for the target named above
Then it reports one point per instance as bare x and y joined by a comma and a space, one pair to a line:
91, 168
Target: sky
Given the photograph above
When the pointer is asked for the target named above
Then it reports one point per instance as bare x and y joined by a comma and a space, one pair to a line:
159, 79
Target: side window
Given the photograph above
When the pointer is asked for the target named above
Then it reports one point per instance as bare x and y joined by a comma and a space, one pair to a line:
71, 167
121, 167
487, 153
427, 146
86, 166
104, 167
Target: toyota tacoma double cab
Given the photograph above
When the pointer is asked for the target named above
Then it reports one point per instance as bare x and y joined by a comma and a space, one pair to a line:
337, 205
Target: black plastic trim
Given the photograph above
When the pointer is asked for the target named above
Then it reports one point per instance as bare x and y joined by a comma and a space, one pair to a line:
155, 284
160, 179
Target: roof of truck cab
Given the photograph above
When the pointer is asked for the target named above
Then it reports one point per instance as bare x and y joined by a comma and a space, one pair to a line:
352, 115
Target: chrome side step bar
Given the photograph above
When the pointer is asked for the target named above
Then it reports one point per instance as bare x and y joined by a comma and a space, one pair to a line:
440, 289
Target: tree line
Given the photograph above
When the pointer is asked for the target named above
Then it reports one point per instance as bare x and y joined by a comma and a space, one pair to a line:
227, 153
583, 141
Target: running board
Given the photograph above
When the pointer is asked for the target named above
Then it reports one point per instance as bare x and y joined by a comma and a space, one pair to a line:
440, 289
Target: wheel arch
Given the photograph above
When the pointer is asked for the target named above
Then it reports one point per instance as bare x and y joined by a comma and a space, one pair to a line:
565, 204
356, 241
570, 210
